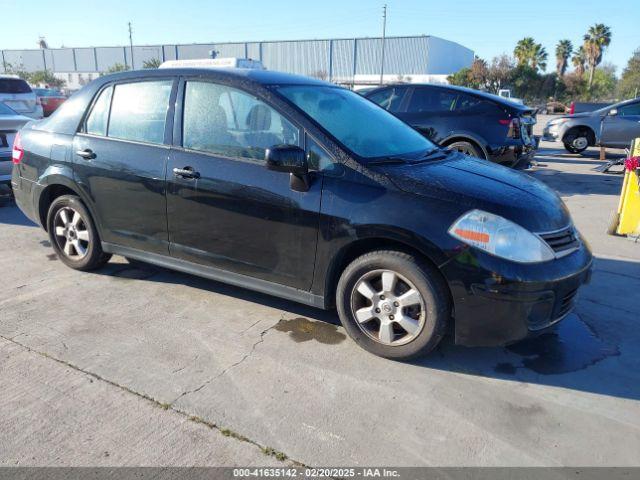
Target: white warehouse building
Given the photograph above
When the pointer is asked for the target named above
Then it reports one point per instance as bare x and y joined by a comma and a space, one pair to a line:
350, 61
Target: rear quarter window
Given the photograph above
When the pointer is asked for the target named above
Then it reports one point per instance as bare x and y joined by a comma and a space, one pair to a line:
389, 98
14, 85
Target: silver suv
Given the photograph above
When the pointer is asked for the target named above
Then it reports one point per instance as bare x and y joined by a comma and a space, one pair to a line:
17, 95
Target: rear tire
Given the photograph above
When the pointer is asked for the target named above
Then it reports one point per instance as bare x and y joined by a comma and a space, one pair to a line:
393, 305
466, 148
73, 234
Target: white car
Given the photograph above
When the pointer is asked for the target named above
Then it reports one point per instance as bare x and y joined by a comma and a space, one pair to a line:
10, 123
16, 94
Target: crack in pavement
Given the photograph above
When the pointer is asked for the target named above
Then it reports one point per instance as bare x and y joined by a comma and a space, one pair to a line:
223, 431
225, 370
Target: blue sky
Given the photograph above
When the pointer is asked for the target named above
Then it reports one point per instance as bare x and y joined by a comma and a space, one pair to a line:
489, 27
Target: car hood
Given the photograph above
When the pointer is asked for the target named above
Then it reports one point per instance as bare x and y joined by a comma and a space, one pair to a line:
575, 115
472, 183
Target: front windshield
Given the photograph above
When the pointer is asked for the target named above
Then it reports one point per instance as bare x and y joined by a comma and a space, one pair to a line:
360, 125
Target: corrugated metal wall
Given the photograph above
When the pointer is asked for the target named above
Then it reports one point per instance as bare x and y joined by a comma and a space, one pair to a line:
336, 59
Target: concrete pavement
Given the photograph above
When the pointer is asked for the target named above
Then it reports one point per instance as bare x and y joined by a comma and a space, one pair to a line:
161, 347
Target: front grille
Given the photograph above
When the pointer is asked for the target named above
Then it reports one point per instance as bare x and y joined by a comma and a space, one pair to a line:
562, 242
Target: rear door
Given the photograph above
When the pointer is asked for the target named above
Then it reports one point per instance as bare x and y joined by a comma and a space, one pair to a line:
225, 209
619, 130
431, 111
120, 159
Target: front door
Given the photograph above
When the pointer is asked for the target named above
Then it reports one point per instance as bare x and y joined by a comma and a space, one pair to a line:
120, 157
620, 129
225, 209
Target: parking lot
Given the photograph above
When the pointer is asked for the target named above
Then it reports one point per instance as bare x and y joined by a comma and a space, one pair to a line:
136, 365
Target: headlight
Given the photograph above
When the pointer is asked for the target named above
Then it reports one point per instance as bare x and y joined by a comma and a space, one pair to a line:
500, 237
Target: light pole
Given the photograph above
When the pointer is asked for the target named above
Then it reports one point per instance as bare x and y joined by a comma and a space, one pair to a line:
384, 29
131, 44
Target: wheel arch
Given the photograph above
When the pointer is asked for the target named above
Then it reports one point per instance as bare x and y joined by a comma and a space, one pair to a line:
590, 132
361, 246
56, 186
466, 137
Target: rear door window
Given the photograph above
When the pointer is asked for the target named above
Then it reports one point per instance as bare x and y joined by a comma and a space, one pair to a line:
389, 98
431, 100
139, 111
469, 104
14, 85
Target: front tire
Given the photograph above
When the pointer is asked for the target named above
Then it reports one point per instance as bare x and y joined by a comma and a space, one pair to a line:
73, 234
393, 305
578, 144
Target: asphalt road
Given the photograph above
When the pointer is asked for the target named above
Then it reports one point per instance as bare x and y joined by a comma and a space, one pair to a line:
137, 365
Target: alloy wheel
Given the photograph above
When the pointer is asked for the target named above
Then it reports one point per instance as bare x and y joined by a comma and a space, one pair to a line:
388, 307
71, 233
580, 143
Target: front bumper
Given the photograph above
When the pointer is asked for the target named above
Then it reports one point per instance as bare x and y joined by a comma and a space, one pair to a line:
497, 302
550, 134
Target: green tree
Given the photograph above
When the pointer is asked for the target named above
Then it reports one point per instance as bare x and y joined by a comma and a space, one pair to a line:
629, 84
578, 61
523, 50
17, 70
45, 77
597, 38
117, 67
472, 77
528, 52
564, 49
151, 63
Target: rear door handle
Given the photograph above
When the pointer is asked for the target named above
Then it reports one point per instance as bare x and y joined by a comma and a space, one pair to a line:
186, 172
87, 154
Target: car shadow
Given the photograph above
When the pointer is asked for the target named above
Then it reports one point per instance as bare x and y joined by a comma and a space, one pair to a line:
580, 353
10, 214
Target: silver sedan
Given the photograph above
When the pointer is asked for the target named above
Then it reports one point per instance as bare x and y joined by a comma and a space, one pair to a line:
10, 123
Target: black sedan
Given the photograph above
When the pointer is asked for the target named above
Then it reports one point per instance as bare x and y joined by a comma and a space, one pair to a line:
475, 123
301, 189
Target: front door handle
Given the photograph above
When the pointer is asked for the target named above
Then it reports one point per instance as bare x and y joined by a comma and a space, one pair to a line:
186, 172
87, 154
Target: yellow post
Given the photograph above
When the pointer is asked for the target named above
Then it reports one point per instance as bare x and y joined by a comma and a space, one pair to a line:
629, 206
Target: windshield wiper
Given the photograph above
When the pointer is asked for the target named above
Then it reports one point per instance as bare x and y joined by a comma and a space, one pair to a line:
388, 161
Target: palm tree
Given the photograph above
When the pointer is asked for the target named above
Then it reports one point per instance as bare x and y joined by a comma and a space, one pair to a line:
563, 52
597, 38
528, 52
538, 57
523, 50
578, 60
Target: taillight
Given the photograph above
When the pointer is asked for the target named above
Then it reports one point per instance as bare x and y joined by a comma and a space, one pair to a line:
504, 121
18, 152
572, 108
514, 127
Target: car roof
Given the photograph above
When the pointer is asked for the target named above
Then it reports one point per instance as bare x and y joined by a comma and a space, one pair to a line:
263, 77
478, 93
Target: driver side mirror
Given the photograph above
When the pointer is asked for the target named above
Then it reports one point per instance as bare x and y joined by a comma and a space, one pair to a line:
287, 158
613, 112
